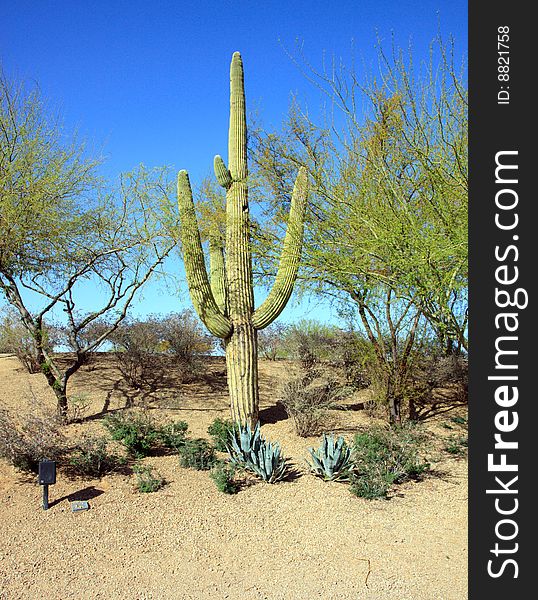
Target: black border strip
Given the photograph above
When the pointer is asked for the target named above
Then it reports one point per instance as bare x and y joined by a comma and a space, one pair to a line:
502, 121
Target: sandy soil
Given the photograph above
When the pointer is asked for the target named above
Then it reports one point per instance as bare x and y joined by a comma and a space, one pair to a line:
302, 539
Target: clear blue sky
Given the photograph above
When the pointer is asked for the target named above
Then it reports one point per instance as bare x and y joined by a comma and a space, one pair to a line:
147, 82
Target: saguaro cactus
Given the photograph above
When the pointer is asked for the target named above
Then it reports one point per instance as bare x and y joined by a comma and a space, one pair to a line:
224, 300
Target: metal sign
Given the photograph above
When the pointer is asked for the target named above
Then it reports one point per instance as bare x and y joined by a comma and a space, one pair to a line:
46, 477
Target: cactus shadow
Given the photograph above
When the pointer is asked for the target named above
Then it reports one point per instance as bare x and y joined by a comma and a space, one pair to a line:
273, 414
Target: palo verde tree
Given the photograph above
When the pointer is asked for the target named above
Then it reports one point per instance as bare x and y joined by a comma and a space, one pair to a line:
225, 299
64, 237
387, 229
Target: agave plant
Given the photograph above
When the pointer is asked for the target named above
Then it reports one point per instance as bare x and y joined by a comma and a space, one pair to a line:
332, 460
248, 449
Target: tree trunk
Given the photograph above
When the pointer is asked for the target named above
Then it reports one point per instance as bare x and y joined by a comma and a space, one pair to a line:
58, 382
61, 404
394, 400
413, 411
395, 405
242, 373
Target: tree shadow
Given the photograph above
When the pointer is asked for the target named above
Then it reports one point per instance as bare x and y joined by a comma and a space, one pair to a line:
216, 381
352, 407
427, 410
165, 383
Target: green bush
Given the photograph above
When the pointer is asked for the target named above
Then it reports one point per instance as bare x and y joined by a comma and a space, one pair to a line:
220, 431
373, 486
223, 474
456, 445
384, 457
147, 480
137, 432
172, 435
197, 454
271, 341
90, 458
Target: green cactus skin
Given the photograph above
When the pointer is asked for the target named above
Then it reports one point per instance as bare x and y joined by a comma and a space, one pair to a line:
225, 300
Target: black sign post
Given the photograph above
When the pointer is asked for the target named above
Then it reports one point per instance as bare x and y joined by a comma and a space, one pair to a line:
47, 476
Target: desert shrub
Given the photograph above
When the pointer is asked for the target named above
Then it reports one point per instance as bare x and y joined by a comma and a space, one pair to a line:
137, 345
250, 451
220, 431
137, 432
436, 381
222, 474
345, 350
331, 366
172, 435
309, 395
91, 458
384, 457
184, 337
373, 486
147, 480
78, 407
15, 339
144, 347
271, 341
354, 354
308, 403
36, 438
197, 454
311, 341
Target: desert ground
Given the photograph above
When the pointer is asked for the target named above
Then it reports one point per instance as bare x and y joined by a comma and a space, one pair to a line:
298, 539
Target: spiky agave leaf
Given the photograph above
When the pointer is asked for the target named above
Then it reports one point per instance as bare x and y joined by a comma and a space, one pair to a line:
251, 451
332, 459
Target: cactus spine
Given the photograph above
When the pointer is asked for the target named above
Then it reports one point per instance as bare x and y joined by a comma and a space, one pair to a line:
224, 300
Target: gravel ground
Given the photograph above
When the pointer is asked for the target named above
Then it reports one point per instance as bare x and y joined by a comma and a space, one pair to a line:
301, 539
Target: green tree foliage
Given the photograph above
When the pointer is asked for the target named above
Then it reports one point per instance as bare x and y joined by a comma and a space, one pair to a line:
387, 229
61, 230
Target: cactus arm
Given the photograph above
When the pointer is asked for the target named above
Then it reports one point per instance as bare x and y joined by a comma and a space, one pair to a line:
224, 177
217, 273
193, 257
289, 260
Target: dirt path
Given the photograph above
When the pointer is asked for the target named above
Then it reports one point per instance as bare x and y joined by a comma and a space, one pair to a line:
297, 540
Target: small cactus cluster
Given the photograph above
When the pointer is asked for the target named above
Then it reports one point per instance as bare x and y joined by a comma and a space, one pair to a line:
249, 450
332, 460
224, 298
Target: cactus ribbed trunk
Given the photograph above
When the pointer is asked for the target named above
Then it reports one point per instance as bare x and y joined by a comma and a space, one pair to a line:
241, 346
242, 370
225, 300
